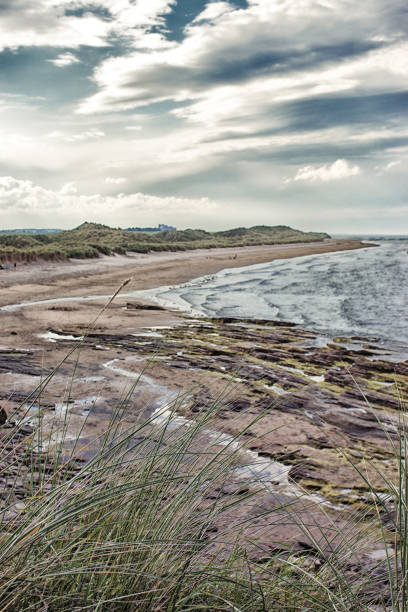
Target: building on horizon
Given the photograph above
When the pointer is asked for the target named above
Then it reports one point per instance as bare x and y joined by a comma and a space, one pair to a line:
160, 228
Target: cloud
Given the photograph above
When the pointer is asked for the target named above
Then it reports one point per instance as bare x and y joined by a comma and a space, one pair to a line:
384, 169
284, 44
340, 169
392, 164
63, 23
67, 189
29, 23
64, 59
67, 206
18, 102
308, 78
230, 100
90, 134
115, 180
214, 10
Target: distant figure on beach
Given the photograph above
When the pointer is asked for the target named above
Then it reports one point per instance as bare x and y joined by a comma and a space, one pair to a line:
235, 256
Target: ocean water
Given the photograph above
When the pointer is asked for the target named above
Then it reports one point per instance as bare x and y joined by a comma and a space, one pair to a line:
360, 292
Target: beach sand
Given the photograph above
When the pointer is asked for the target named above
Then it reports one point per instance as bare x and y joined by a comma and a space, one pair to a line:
22, 328
43, 280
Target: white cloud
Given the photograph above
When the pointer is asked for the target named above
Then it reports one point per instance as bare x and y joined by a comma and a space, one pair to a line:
90, 134
25, 23
134, 128
214, 10
19, 197
115, 180
18, 102
340, 169
32, 24
392, 164
64, 59
381, 170
68, 189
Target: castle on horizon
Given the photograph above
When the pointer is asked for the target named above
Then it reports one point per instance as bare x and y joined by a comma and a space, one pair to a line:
160, 228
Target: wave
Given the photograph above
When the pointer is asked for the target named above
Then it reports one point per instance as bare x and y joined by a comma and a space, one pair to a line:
361, 292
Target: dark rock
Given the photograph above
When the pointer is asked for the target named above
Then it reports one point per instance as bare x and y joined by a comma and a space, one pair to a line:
3, 415
20, 363
238, 405
142, 306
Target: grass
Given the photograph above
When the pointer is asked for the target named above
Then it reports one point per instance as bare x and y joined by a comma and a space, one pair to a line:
92, 240
145, 524
135, 528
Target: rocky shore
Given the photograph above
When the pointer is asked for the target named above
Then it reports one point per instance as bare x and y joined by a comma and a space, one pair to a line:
321, 401
310, 403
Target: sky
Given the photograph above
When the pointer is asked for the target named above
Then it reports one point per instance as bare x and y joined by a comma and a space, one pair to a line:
204, 114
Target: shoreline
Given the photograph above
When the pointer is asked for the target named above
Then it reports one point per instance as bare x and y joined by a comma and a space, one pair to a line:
36, 281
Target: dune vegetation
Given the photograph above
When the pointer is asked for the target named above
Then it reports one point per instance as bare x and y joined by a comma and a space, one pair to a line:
150, 523
93, 239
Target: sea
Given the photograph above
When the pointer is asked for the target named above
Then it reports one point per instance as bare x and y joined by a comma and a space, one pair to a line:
350, 293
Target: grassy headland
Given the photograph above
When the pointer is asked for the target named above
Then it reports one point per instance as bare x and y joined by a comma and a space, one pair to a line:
93, 239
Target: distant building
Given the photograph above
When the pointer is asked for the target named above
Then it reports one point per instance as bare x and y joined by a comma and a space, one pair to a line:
160, 228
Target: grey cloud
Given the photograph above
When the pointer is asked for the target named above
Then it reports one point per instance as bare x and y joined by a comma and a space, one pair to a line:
321, 113
278, 62
242, 46
233, 67
321, 152
95, 9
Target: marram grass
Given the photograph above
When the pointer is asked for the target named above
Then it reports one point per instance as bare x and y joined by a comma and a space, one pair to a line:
133, 528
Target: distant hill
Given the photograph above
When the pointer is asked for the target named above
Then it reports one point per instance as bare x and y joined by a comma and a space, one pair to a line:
94, 239
30, 230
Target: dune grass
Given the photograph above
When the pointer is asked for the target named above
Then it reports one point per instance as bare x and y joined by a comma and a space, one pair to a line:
93, 239
144, 524
134, 529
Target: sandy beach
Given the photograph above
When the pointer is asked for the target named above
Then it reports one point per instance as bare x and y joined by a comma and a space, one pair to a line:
44, 280
23, 328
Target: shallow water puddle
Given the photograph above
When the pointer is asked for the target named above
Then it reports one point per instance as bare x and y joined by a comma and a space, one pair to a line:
147, 333
318, 379
276, 389
51, 336
266, 471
